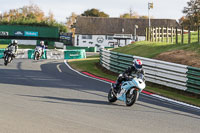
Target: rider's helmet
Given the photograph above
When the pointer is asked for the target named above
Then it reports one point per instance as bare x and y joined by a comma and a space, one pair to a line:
138, 64
42, 43
14, 42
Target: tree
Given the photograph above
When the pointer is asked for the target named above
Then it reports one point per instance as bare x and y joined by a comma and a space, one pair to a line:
127, 15
94, 13
132, 14
192, 12
31, 15
71, 20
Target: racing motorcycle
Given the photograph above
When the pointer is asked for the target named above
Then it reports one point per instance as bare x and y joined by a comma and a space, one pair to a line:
8, 57
37, 53
128, 92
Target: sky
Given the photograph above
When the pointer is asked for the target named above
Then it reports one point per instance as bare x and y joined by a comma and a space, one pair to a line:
163, 9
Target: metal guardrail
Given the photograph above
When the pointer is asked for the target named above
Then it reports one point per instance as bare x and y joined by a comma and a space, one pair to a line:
193, 82
172, 75
49, 54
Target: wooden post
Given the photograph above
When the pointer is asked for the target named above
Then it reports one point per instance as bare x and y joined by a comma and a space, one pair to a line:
189, 35
172, 35
198, 35
156, 34
146, 39
152, 34
162, 34
176, 35
149, 34
167, 34
182, 35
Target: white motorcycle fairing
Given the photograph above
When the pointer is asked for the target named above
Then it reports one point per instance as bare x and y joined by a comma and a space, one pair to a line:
135, 83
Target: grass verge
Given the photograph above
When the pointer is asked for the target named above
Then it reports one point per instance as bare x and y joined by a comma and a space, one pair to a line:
3, 46
26, 46
33, 47
152, 49
92, 66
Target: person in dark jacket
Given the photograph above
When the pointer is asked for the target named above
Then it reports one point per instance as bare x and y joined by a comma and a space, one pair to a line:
13, 47
135, 70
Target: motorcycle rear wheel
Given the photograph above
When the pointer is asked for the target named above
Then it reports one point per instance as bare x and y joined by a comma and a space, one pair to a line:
111, 97
131, 98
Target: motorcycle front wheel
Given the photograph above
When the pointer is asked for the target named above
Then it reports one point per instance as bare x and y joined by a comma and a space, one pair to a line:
111, 97
6, 60
36, 56
131, 97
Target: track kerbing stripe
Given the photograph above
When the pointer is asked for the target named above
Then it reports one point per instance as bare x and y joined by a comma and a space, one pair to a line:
111, 81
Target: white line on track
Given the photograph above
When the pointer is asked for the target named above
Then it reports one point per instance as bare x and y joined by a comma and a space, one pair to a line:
84, 74
151, 95
58, 67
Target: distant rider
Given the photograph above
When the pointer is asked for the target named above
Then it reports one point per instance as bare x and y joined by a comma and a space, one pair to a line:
13, 47
42, 46
136, 69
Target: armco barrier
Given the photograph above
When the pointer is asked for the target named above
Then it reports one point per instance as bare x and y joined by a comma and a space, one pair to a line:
55, 54
193, 82
31, 54
2, 53
173, 75
22, 53
87, 49
49, 54
74, 54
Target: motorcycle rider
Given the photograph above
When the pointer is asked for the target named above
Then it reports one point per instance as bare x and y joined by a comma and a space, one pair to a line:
135, 69
42, 46
13, 47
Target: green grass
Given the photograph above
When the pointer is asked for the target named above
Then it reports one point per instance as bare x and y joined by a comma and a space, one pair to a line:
26, 46
3, 46
152, 49
33, 47
89, 65
176, 95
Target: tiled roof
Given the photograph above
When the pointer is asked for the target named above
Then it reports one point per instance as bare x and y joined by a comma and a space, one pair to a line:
110, 26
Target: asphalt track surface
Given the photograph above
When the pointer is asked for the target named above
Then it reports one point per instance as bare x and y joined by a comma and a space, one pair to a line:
47, 97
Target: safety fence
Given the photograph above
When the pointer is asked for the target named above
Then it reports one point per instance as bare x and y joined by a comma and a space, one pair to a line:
87, 49
168, 74
49, 54
169, 34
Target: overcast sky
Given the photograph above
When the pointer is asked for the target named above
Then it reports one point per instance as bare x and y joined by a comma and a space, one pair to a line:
171, 9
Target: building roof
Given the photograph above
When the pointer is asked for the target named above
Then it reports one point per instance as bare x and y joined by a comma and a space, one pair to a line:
110, 26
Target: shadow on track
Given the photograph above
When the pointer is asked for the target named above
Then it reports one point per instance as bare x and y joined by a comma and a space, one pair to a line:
73, 100
50, 77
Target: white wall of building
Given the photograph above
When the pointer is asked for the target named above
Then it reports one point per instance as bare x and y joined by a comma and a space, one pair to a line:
100, 40
59, 44
27, 42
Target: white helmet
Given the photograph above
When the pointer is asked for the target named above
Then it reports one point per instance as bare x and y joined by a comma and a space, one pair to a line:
14, 42
42, 43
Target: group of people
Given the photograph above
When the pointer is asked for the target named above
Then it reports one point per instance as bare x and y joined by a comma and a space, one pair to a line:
13, 47
136, 68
